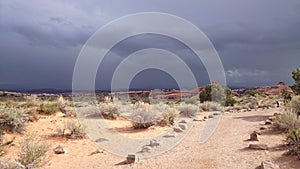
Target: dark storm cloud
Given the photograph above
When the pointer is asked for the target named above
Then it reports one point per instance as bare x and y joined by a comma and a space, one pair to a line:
258, 41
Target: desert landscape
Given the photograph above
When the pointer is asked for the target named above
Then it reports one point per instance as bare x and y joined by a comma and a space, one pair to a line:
195, 84
43, 130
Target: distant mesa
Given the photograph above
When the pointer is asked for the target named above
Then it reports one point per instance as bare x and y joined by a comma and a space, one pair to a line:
275, 90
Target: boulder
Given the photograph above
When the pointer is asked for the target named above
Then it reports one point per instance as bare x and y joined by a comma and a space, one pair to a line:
59, 150
259, 146
268, 165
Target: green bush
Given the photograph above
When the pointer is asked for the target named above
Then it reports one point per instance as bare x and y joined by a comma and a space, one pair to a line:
287, 97
33, 152
294, 104
213, 92
48, 108
230, 101
296, 77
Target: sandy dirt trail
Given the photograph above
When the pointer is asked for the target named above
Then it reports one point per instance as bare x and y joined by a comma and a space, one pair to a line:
226, 148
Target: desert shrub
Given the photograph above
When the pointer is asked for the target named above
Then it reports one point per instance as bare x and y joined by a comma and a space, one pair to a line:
296, 77
294, 104
188, 110
287, 97
288, 120
230, 101
250, 102
190, 100
109, 110
31, 101
213, 92
254, 93
210, 106
10, 165
72, 129
143, 115
12, 119
33, 152
62, 104
293, 136
48, 108
168, 116
293, 140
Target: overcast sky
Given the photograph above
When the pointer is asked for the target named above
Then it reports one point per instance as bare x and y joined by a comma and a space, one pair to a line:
258, 41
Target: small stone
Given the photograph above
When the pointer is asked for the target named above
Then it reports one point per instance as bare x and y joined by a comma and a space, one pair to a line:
1, 152
197, 119
130, 159
268, 122
268, 165
154, 143
216, 113
205, 117
59, 150
146, 149
182, 126
259, 146
263, 128
257, 132
170, 134
253, 136
183, 121
272, 118
177, 129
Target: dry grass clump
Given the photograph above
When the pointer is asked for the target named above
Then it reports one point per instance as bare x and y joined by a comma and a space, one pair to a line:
210, 106
71, 129
288, 120
33, 152
62, 104
168, 116
294, 104
188, 110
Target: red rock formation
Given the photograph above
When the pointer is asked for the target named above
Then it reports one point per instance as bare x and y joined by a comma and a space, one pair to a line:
275, 90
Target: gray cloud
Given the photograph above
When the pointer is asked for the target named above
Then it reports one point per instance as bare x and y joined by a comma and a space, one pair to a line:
258, 41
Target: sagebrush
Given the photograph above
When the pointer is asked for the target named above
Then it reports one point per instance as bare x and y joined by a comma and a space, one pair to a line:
33, 151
